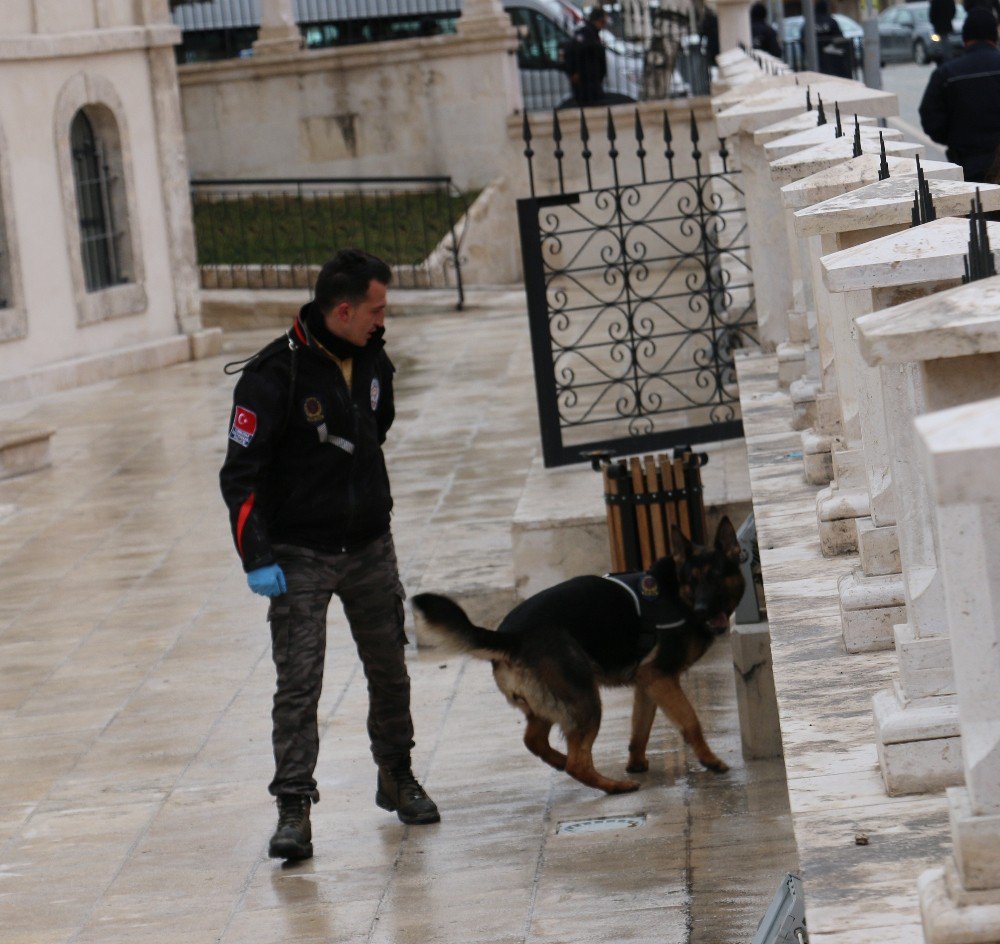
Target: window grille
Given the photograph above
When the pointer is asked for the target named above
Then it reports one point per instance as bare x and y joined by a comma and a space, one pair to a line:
100, 238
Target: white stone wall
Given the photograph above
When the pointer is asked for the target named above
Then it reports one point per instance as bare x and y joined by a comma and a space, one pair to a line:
421, 107
105, 55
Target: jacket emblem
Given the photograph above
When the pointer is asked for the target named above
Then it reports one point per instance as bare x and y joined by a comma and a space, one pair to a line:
376, 391
244, 426
313, 410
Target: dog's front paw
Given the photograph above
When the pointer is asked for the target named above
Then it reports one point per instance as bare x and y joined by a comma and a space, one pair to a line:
716, 766
637, 765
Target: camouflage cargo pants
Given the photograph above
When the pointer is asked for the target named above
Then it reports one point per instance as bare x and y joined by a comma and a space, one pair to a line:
367, 582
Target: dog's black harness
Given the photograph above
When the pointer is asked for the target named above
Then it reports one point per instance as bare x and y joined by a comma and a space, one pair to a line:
658, 607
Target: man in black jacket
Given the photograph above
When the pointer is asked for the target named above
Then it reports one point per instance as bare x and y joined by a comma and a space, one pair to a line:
309, 504
587, 61
961, 104
941, 13
762, 34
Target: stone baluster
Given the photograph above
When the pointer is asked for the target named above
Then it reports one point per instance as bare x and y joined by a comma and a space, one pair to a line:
933, 353
819, 402
915, 262
737, 123
792, 355
279, 34
960, 902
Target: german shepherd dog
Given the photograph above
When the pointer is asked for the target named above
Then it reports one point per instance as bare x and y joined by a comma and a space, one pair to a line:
552, 651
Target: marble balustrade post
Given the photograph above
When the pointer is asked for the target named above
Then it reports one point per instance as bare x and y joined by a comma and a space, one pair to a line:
960, 450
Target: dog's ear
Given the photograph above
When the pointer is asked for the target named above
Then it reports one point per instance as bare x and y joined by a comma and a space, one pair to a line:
726, 541
680, 547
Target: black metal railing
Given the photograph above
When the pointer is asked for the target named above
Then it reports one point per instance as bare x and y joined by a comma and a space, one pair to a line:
277, 233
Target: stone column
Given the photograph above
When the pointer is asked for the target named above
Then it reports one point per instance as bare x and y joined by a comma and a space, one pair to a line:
734, 23
279, 34
961, 455
933, 353
819, 440
880, 273
737, 123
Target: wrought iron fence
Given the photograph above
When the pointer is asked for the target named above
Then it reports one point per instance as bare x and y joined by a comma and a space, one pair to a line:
277, 233
639, 290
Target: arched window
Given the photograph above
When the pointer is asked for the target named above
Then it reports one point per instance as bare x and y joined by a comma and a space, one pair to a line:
100, 204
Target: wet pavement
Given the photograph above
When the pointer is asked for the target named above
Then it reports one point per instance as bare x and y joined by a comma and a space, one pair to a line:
135, 684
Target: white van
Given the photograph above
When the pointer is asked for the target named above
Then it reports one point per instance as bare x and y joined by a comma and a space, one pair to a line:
223, 29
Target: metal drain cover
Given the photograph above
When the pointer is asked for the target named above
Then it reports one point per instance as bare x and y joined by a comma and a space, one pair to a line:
601, 824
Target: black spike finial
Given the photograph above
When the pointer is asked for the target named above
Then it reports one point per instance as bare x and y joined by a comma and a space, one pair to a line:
809, 101
857, 137
883, 164
528, 151
923, 201
838, 128
586, 153
979, 263
820, 111
668, 139
640, 150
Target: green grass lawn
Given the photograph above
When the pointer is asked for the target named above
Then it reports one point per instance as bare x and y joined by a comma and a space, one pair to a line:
277, 229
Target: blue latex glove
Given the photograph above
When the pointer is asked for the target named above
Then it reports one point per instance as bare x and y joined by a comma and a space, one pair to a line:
268, 581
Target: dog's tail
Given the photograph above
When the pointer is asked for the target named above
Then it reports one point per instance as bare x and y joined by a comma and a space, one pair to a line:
446, 620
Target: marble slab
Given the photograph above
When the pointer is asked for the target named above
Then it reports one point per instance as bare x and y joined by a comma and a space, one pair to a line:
889, 203
801, 122
960, 321
932, 252
832, 153
958, 443
775, 104
821, 134
764, 84
857, 172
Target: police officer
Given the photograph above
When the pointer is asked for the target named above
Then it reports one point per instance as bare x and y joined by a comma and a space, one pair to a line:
309, 504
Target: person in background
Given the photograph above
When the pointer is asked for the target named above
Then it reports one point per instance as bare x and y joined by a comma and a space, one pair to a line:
835, 53
763, 34
961, 104
941, 14
586, 62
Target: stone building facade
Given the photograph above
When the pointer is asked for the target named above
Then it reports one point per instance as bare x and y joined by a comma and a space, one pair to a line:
97, 264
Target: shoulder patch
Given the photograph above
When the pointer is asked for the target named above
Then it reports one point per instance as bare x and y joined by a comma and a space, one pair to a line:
244, 426
649, 588
376, 391
313, 409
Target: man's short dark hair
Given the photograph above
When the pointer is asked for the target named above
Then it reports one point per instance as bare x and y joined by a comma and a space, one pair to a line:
597, 14
346, 277
758, 12
980, 26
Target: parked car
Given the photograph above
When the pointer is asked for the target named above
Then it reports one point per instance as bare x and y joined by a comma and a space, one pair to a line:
906, 34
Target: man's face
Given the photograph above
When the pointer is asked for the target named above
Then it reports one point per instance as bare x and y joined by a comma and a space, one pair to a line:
356, 323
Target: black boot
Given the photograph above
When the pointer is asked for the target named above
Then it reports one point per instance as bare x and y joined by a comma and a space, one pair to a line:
293, 837
399, 793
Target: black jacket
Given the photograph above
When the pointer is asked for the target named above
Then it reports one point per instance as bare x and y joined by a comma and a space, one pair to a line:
941, 13
587, 64
765, 37
304, 463
961, 108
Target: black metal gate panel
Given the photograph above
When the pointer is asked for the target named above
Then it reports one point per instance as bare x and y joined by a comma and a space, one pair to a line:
638, 293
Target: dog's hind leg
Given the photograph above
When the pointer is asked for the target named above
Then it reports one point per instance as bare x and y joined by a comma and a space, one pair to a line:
643, 713
666, 691
536, 740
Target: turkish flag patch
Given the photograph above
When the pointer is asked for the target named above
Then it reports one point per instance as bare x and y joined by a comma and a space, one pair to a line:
244, 426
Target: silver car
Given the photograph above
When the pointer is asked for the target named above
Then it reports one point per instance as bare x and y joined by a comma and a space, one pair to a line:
906, 34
